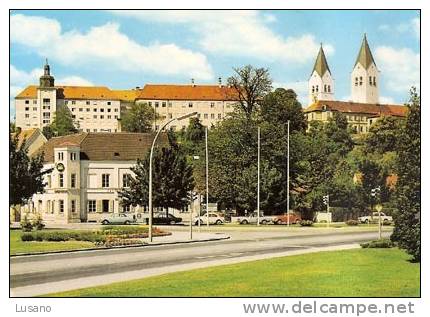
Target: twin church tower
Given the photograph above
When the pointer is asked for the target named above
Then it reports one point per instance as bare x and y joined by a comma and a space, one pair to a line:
364, 78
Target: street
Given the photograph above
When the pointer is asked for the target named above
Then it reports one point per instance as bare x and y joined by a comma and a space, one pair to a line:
42, 274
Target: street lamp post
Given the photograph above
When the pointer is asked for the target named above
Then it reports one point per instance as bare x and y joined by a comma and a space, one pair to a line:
150, 168
207, 177
288, 173
258, 177
375, 192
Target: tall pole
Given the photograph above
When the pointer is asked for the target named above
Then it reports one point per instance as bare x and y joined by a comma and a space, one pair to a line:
328, 210
150, 169
288, 172
191, 215
258, 177
207, 177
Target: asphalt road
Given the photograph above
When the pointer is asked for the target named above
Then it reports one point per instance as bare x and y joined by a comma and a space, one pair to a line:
33, 271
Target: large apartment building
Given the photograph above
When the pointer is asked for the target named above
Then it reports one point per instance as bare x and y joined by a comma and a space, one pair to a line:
211, 102
364, 108
93, 109
99, 109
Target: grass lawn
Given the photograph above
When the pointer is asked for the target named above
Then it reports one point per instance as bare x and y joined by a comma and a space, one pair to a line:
17, 246
357, 273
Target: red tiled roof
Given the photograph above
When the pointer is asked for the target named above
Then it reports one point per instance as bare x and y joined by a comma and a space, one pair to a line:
355, 107
73, 92
187, 92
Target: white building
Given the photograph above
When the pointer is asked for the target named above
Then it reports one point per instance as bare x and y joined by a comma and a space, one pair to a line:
211, 102
364, 108
93, 109
365, 76
321, 83
88, 170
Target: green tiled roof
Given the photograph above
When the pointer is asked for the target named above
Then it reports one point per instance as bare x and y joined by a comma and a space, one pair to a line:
321, 65
365, 57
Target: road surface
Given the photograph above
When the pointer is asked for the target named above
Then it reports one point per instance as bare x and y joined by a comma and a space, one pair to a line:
41, 274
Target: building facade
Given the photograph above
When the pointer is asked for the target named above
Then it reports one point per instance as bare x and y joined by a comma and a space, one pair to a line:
211, 102
364, 108
93, 109
87, 170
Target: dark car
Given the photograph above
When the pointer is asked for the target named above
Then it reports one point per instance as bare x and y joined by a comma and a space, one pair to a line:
161, 219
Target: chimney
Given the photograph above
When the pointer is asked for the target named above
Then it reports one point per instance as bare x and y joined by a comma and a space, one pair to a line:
192, 82
219, 82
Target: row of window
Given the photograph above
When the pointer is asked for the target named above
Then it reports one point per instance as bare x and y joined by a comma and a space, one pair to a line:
73, 156
73, 102
327, 88
126, 180
97, 117
94, 109
359, 81
164, 104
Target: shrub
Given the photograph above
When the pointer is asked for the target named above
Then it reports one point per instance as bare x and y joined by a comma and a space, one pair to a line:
352, 222
306, 223
26, 224
121, 230
38, 222
27, 237
383, 243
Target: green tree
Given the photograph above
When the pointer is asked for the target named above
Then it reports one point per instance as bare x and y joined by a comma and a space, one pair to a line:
63, 122
139, 118
383, 135
25, 174
251, 86
48, 132
172, 180
407, 231
282, 105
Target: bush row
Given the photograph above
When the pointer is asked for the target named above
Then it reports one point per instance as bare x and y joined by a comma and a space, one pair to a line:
383, 243
57, 236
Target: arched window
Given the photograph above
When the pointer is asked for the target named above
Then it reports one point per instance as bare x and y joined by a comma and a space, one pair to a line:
356, 81
328, 88
370, 80
316, 88
374, 81
313, 89
361, 81
325, 88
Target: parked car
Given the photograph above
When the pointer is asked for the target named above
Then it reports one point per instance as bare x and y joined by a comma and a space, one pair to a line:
252, 219
284, 219
214, 219
118, 219
368, 219
161, 219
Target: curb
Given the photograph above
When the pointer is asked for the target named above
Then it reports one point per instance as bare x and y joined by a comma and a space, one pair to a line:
117, 247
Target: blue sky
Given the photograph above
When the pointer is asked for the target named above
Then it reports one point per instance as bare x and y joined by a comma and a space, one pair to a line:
125, 49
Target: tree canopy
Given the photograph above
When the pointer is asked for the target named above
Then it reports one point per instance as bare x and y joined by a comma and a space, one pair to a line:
139, 118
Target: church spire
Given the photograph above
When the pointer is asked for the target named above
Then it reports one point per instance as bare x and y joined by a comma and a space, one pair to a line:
321, 65
365, 57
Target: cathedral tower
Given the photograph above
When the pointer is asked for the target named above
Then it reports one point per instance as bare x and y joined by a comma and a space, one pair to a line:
321, 84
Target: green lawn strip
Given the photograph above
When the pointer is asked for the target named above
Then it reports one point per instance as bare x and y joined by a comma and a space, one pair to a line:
357, 273
17, 246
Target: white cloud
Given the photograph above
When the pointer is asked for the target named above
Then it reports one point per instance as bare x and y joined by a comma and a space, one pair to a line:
410, 26
400, 68
239, 33
73, 81
105, 45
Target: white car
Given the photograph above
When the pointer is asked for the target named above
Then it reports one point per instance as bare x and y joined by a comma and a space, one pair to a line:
214, 219
118, 219
368, 219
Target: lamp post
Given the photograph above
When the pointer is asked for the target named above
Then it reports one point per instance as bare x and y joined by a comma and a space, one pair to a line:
326, 201
375, 192
207, 177
150, 167
258, 177
288, 173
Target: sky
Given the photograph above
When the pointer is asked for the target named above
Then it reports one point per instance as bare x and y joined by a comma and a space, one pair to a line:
126, 49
